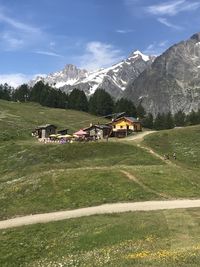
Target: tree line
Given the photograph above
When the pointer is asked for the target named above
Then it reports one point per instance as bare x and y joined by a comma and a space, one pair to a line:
100, 103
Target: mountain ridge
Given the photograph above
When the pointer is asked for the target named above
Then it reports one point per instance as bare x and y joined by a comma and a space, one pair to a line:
113, 79
171, 82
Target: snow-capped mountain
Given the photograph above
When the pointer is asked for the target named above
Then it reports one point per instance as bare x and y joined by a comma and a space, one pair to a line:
113, 79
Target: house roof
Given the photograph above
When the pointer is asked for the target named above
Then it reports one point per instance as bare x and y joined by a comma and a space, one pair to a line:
63, 130
99, 126
115, 115
80, 132
103, 126
45, 126
131, 119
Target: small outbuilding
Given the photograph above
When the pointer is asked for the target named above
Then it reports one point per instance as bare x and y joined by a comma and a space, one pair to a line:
44, 131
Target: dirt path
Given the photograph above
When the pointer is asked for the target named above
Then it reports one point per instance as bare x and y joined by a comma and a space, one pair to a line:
145, 187
103, 209
138, 137
149, 150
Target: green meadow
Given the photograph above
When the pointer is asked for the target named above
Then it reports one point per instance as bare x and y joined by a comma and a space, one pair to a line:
185, 142
158, 238
37, 177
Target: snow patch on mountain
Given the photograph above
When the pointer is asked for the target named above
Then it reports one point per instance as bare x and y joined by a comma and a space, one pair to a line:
113, 79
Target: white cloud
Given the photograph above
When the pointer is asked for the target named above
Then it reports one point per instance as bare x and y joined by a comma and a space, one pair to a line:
98, 55
15, 79
18, 35
172, 8
48, 53
11, 41
123, 31
18, 25
165, 22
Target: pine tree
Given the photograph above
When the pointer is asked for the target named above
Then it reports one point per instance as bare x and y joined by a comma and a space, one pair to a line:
148, 121
192, 118
101, 103
127, 106
78, 100
140, 111
168, 121
180, 118
159, 122
5, 92
22, 93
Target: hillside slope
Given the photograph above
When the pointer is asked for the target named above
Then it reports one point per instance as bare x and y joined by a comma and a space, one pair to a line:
17, 120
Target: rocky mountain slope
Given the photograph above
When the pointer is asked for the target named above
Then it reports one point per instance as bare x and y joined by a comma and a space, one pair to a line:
172, 82
113, 79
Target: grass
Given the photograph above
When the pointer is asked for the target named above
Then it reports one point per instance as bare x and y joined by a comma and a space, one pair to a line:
37, 177
162, 238
169, 181
17, 120
184, 141
67, 189
21, 158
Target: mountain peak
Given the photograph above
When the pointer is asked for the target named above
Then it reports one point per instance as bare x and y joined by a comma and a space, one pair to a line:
138, 53
196, 37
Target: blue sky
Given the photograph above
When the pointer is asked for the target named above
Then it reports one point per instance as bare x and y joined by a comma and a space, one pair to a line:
41, 36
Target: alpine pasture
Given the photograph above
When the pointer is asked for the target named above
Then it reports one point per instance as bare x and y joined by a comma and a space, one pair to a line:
37, 177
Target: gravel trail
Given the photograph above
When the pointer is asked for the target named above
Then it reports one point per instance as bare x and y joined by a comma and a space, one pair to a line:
102, 209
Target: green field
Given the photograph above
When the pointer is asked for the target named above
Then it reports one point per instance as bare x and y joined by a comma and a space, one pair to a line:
164, 238
184, 141
36, 177
17, 120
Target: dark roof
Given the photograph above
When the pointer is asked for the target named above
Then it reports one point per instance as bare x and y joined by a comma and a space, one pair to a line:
45, 126
102, 126
99, 126
63, 130
132, 119
115, 115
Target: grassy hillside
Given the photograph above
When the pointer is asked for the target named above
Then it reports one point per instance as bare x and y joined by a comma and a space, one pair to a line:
37, 177
163, 239
17, 120
184, 141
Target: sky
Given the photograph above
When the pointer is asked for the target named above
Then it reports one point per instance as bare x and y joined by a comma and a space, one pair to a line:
42, 36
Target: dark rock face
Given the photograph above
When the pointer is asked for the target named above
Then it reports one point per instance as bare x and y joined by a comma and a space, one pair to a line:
172, 81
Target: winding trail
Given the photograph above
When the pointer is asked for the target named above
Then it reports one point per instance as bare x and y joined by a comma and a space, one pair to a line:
138, 140
145, 187
102, 209
139, 136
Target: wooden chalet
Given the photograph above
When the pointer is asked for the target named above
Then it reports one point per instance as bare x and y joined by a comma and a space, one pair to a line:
123, 126
44, 131
99, 131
